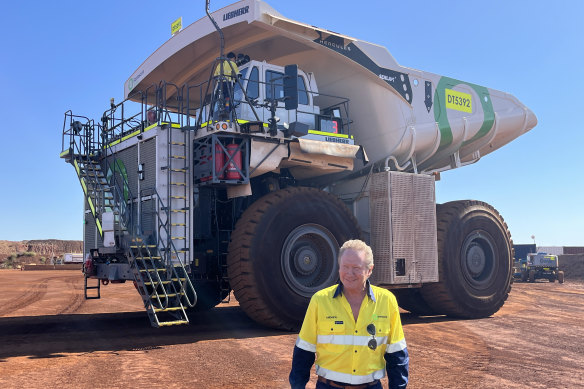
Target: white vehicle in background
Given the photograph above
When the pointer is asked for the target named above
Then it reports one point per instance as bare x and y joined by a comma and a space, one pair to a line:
541, 265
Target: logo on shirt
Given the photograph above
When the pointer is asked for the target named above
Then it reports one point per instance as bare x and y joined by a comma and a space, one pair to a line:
331, 317
338, 322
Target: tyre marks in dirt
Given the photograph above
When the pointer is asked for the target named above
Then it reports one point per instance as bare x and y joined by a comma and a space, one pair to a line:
40, 289
75, 296
30, 295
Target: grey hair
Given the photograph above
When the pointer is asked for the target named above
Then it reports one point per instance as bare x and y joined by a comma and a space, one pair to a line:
357, 245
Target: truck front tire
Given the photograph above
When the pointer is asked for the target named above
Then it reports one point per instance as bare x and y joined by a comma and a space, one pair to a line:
283, 249
474, 261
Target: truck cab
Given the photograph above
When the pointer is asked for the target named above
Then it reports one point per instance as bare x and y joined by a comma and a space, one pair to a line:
263, 82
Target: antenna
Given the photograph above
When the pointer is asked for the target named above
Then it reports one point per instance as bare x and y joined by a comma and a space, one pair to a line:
216, 27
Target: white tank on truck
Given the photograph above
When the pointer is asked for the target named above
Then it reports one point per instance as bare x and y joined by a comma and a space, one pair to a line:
201, 182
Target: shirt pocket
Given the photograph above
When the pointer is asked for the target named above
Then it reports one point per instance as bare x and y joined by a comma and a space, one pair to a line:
331, 336
383, 329
331, 327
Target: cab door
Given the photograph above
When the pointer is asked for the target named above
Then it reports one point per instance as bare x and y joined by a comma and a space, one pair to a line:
274, 88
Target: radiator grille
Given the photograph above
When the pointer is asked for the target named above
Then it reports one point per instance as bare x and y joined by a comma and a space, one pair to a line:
403, 228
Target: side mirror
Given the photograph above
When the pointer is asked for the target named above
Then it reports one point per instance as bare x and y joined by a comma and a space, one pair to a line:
291, 87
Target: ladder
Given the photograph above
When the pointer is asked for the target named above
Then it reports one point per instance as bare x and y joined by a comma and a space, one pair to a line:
177, 195
162, 288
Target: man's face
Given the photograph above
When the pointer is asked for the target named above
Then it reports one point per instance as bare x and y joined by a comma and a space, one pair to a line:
353, 270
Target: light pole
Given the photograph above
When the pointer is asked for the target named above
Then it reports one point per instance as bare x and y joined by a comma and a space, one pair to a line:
533, 237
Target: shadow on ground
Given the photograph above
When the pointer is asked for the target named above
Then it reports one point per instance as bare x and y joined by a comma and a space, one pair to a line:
53, 335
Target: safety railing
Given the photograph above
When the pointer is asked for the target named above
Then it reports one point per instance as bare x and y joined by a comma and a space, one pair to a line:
84, 146
171, 253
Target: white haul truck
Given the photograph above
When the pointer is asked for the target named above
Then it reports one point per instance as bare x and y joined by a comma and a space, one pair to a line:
200, 182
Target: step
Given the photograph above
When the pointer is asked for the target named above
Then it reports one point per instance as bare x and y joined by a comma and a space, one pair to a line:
178, 183
178, 238
161, 295
166, 282
173, 323
178, 143
152, 270
151, 257
157, 282
150, 246
178, 224
167, 309
179, 197
97, 174
178, 157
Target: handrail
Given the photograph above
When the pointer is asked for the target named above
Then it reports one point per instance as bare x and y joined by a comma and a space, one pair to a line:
152, 193
88, 147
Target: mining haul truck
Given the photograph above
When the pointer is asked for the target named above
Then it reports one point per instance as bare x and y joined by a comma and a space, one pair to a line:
541, 265
204, 181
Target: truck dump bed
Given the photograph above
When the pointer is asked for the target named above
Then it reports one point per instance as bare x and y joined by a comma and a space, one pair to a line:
419, 121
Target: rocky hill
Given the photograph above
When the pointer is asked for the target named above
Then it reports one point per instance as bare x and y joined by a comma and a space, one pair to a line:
48, 247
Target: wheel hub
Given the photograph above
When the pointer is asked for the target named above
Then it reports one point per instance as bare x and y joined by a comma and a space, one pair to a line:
305, 260
475, 260
478, 259
309, 259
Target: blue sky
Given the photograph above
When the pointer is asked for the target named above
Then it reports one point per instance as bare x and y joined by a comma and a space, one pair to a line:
76, 55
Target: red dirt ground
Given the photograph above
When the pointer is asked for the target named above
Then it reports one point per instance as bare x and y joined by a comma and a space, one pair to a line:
51, 336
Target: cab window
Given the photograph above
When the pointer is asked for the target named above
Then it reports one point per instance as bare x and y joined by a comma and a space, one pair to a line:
253, 85
274, 84
302, 93
237, 95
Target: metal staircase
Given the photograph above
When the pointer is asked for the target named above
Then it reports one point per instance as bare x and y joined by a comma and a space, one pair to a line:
158, 269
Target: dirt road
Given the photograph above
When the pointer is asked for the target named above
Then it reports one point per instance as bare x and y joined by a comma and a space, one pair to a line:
51, 336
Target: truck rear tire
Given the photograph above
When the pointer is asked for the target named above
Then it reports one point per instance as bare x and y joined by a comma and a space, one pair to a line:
283, 249
209, 294
474, 261
561, 277
532, 276
412, 300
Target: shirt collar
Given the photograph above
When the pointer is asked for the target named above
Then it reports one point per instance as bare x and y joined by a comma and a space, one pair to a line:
339, 290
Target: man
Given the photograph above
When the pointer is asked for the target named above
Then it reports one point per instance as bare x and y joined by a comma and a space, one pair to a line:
226, 73
355, 330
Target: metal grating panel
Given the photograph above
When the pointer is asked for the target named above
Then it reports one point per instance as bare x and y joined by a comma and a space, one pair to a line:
426, 254
402, 214
129, 159
403, 228
148, 158
380, 217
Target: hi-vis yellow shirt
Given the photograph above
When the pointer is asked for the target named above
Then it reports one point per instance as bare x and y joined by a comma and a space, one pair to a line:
230, 70
340, 344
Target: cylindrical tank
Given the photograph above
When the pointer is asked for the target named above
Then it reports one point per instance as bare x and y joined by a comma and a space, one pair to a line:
234, 166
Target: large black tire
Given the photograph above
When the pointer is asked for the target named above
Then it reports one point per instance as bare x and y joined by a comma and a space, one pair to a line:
283, 249
561, 277
474, 261
532, 276
209, 294
412, 300
524, 275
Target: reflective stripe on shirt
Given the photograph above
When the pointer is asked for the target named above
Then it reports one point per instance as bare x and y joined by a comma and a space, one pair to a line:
398, 346
304, 345
350, 340
349, 378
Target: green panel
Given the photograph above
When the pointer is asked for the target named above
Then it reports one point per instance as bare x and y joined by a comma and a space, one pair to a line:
441, 116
